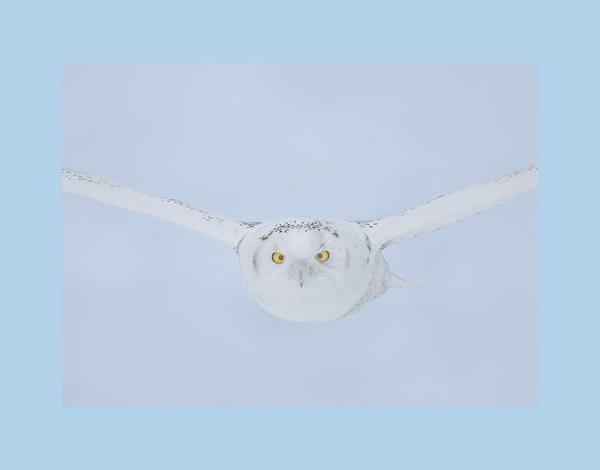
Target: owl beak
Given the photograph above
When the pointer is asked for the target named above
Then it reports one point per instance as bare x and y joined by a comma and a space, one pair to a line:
299, 272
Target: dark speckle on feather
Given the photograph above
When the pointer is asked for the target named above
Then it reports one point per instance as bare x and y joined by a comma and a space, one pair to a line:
367, 223
249, 224
303, 225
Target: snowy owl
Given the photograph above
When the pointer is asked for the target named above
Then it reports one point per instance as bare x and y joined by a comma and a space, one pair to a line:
309, 269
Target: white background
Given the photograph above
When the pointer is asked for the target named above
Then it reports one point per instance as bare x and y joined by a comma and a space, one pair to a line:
155, 314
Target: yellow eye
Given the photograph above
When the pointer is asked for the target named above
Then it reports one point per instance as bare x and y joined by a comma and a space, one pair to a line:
322, 256
278, 258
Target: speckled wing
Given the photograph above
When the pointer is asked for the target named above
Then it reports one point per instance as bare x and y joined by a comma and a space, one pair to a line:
450, 208
170, 210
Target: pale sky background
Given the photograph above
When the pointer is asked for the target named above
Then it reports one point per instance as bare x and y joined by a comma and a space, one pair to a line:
154, 314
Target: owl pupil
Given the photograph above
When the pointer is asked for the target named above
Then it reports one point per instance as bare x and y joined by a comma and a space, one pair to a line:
320, 255
280, 257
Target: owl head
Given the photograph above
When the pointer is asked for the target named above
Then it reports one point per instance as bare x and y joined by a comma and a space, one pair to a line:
306, 269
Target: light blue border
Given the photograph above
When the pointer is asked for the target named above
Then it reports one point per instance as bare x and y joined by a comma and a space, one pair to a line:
38, 433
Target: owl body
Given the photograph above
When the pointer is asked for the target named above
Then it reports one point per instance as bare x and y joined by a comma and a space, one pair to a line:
302, 286
310, 269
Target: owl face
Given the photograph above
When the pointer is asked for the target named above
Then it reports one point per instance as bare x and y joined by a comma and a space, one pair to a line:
306, 269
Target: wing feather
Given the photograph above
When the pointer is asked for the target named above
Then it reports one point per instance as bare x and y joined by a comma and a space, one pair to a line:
448, 209
170, 210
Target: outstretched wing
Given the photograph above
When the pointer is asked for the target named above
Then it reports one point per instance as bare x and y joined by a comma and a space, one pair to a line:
446, 210
169, 210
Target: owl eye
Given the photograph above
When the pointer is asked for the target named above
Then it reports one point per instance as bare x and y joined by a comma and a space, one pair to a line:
322, 256
278, 258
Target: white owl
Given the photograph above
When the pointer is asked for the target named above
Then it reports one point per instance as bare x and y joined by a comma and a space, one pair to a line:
308, 269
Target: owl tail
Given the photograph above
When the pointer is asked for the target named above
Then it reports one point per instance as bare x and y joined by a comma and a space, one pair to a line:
395, 281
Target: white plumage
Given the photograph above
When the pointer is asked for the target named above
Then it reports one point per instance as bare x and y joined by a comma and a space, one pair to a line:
312, 269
